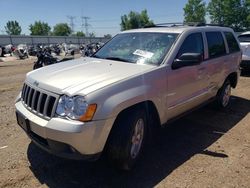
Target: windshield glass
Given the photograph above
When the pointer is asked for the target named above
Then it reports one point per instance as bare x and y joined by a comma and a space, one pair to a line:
140, 48
244, 38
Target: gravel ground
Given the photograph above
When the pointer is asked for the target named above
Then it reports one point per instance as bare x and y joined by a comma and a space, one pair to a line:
206, 148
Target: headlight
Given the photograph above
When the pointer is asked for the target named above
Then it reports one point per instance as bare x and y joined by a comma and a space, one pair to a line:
75, 108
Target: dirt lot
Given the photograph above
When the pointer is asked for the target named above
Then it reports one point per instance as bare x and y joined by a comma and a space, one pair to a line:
207, 148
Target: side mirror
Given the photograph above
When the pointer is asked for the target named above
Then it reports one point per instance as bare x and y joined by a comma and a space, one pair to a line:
187, 59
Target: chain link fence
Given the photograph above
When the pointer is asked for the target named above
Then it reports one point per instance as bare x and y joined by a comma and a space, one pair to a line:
34, 40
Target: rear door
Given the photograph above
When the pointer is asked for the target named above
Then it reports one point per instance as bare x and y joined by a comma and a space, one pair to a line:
234, 53
217, 57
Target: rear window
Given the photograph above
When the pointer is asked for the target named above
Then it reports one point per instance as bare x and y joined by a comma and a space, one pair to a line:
232, 43
216, 46
244, 38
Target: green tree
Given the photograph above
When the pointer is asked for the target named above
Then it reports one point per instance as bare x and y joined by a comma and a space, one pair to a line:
135, 20
61, 29
80, 34
40, 28
216, 10
108, 36
13, 28
245, 12
232, 13
195, 11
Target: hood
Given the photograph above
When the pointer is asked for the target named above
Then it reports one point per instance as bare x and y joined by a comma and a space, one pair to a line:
83, 76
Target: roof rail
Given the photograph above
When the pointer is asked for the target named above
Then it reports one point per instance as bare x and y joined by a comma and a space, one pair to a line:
176, 24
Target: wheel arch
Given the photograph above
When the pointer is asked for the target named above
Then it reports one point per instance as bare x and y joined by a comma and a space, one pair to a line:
148, 106
233, 78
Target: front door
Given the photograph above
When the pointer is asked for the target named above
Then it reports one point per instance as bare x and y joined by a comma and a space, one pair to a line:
187, 86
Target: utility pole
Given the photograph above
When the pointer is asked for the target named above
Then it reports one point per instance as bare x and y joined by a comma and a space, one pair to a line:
85, 24
71, 22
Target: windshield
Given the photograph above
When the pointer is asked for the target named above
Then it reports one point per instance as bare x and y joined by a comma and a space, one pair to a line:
140, 48
244, 38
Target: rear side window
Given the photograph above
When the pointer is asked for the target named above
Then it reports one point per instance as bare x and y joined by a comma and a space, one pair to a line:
232, 43
244, 38
192, 44
216, 46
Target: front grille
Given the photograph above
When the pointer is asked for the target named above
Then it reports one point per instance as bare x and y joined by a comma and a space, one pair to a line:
40, 102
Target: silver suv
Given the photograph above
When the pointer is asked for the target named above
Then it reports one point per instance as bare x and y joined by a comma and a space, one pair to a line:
136, 82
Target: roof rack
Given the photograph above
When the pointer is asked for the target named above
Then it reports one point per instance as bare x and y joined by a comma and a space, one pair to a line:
176, 24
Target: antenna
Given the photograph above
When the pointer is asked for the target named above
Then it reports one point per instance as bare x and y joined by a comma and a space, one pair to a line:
85, 24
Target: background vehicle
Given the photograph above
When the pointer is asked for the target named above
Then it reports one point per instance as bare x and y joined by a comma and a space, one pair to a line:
244, 39
45, 58
8, 49
1, 51
69, 49
138, 81
21, 51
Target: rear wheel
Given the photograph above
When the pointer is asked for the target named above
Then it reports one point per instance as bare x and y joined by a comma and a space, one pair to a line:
127, 139
224, 94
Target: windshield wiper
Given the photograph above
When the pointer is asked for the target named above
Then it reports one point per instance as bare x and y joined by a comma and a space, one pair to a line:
118, 59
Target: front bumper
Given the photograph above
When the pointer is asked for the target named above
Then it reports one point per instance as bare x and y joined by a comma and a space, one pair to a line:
65, 138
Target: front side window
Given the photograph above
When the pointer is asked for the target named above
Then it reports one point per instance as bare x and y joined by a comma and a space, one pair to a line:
216, 46
192, 44
140, 48
232, 43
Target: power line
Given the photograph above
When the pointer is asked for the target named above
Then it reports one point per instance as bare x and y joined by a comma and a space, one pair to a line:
110, 27
71, 22
85, 24
106, 20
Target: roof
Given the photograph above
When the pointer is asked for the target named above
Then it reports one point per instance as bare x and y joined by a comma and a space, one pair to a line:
177, 29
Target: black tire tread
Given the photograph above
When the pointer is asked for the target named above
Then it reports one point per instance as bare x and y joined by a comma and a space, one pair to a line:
119, 141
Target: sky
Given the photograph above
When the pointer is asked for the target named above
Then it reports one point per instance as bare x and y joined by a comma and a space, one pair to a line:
104, 16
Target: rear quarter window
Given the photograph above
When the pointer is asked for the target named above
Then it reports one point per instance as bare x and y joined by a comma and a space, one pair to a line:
232, 43
216, 46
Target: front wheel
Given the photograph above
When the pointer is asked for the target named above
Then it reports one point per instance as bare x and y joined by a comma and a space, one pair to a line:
127, 139
224, 94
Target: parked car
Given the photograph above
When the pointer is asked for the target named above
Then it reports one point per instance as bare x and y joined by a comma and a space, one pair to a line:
244, 39
138, 81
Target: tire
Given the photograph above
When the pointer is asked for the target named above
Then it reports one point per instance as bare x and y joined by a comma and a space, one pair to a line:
127, 139
223, 96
